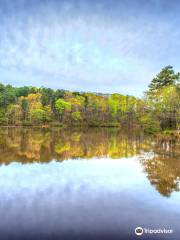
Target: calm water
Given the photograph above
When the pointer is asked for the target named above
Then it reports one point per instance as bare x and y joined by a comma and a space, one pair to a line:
91, 184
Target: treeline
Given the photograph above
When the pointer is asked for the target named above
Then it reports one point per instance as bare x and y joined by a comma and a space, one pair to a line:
159, 109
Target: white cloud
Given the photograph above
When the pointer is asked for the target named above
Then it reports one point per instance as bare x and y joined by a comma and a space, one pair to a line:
87, 51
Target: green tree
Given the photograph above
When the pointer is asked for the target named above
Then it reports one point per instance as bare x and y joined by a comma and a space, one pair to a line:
62, 107
7, 95
114, 105
166, 77
47, 96
76, 116
41, 115
165, 106
23, 91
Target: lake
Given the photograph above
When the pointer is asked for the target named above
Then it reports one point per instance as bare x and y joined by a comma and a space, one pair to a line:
88, 184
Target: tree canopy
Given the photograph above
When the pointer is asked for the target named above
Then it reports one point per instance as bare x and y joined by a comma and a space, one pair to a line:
158, 110
166, 77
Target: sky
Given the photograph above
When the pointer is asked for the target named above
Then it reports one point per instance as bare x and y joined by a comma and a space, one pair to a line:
88, 45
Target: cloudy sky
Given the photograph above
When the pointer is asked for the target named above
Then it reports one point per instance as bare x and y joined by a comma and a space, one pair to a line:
88, 45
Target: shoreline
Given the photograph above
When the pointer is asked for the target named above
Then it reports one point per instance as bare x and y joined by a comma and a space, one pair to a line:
161, 134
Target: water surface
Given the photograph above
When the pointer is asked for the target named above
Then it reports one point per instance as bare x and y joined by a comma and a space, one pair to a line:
88, 184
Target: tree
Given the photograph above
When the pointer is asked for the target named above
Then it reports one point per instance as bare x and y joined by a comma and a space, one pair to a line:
25, 107
47, 96
7, 95
165, 106
160, 109
76, 116
14, 114
114, 105
96, 109
41, 115
3, 117
163, 99
166, 77
23, 91
62, 106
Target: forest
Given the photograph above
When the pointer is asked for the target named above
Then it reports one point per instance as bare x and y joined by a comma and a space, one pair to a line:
157, 110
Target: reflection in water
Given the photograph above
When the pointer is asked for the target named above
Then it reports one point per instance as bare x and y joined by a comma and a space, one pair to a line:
27, 145
105, 197
163, 169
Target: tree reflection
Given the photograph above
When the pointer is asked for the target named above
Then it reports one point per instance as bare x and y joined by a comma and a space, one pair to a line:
163, 169
27, 145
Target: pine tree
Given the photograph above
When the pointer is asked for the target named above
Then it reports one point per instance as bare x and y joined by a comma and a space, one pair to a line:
167, 77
